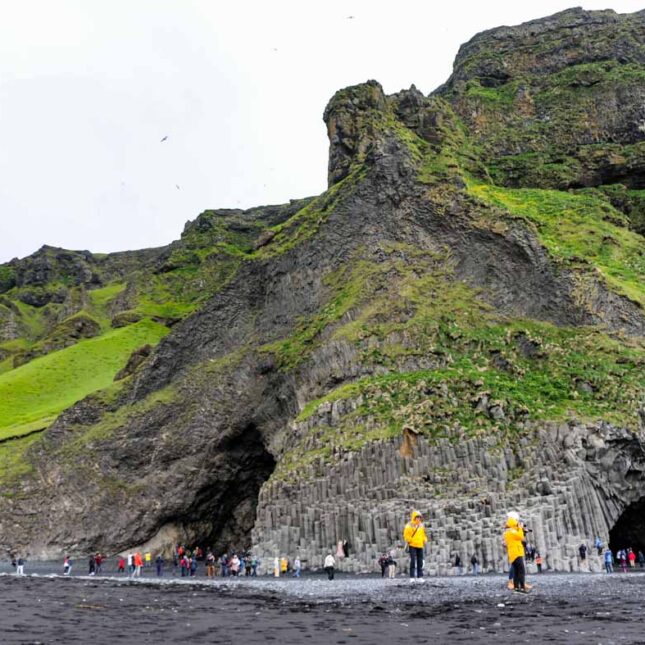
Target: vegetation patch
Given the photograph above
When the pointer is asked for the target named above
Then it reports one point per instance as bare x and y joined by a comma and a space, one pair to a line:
34, 394
499, 377
579, 229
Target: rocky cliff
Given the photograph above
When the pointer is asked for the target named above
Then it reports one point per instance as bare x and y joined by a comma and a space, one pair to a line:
456, 324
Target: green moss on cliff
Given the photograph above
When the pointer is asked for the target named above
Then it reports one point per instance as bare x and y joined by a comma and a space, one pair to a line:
580, 230
500, 376
32, 395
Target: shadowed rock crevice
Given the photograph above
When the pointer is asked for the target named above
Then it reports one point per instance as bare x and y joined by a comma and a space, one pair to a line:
220, 513
629, 530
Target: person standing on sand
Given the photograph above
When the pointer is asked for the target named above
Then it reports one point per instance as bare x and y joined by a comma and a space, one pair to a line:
514, 540
475, 564
641, 559
391, 565
414, 535
329, 566
539, 561
609, 561
235, 565
297, 566
92, 565
20, 566
276, 567
67, 566
159, 562
121, 567
138, 564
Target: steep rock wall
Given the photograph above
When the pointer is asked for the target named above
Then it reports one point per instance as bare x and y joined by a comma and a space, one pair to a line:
570, 483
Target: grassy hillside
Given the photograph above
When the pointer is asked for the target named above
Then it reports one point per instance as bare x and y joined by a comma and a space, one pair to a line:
33, 394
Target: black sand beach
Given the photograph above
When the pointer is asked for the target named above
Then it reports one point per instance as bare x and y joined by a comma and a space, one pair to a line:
568, 608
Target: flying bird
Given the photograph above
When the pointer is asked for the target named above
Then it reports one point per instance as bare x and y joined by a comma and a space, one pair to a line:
177, 187
164, 139
350, 17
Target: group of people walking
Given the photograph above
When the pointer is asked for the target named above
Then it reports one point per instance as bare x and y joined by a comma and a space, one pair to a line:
185, 562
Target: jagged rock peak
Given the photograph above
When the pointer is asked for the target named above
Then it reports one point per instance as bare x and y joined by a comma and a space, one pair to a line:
547, 45
351, 116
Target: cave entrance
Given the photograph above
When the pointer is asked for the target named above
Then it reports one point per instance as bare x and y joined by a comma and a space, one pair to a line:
629, 530
222, 513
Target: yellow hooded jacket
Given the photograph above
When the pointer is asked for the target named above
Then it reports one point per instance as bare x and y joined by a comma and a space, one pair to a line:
415, 534
514, 538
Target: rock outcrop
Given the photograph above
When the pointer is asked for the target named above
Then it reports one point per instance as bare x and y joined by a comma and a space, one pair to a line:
456, 324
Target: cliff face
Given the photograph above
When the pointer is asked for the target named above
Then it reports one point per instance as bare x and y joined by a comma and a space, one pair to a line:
454, 324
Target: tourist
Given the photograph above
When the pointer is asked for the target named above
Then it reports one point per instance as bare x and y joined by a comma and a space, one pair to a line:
609, 561
130, 564
210, 565
641, 559
382, 562
284, 565
598, 545
391, 565
459, 569
255, 563
514, 538
582, 550
631, 557
92, 565
159, 562
183, 565
340, 551
346, 548
329, 566
539, 561
20, 566
234, 565
148, 559
67, 566
276, 567
247, 565
297, 566
622, 557
121, 565
414, 535
474, 562
223, 563
98, 558
138, 564
193, 566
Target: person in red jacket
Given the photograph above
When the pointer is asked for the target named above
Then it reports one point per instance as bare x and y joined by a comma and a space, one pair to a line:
138, 564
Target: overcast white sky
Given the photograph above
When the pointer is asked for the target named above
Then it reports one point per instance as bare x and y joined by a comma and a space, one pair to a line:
88, 88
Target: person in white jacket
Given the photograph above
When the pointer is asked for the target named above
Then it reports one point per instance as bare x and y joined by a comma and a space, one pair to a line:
329, 565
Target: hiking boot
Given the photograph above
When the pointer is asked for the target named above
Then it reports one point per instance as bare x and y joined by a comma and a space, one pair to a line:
510, 585
521, 590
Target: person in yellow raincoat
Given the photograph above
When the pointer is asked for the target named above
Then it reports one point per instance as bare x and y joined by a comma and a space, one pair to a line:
415, 537
514, 541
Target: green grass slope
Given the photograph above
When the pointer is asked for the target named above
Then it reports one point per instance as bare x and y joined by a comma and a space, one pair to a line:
32, 395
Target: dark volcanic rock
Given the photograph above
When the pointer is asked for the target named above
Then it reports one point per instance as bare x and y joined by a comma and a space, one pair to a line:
252, 408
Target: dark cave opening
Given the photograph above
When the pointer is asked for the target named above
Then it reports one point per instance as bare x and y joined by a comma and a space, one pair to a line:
222, 513
629, 530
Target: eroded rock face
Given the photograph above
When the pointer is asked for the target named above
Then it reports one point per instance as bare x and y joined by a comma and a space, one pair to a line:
570, 483
383, 275
557, 102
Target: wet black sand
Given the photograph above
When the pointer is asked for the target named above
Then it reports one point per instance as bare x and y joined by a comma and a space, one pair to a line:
573, 608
